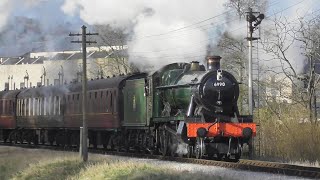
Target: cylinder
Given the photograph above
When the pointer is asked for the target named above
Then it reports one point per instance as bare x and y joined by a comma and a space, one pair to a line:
213, 63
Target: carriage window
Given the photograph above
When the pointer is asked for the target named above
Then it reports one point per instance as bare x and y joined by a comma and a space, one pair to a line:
42, 105
27, 106
3, 106
13, 109
39, 105
54, 105
115, 102
45, 106
17, 107
0, 107
30, 107
59, 104
111, 101
9, 109
49, 105
78, 104
95, 95
106, 101
22, 107
35, 107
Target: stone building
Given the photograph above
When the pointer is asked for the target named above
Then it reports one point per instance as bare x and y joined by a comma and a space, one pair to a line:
52, 68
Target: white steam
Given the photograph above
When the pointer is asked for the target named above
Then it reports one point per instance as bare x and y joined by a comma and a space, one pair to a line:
31, 25
158, 36
5, 8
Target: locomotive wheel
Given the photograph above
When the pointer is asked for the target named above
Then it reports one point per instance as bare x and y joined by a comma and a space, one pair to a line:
13, 137
190, 151
126, 145
111, 142
173, 147
35, 139
42, 137
237, 157
219, 156
250, 145
199, 148
164, 143
150, 144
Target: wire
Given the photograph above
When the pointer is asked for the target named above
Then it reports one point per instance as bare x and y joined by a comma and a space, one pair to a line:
197, 23
212, 37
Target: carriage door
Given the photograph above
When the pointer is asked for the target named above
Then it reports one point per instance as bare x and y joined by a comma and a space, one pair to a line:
134, 103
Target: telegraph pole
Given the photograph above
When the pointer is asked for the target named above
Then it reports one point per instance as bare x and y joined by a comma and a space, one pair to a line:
84, 135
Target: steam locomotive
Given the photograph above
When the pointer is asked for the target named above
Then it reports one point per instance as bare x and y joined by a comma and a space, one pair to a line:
181, 109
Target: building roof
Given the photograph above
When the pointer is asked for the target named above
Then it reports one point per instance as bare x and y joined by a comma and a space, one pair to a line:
11, 61
61, 56
26, 59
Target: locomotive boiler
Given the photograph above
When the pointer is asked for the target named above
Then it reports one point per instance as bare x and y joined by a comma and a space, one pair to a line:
183, 109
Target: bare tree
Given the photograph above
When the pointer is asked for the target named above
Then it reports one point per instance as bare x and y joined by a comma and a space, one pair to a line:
241, 6
304, 38
116, 41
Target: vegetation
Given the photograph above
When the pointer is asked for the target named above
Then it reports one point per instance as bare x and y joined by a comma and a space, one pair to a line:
288, 135
18, 163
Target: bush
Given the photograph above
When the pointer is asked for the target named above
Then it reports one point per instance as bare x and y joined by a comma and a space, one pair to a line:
285, 137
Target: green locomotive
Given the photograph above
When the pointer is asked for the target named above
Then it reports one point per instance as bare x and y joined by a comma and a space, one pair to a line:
188, 111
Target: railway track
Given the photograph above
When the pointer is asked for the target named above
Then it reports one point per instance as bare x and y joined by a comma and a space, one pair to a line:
243, 164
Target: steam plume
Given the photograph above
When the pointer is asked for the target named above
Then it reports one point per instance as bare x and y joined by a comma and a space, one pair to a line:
155, 39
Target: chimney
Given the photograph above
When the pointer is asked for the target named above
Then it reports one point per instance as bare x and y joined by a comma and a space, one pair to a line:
213, 63
195, 66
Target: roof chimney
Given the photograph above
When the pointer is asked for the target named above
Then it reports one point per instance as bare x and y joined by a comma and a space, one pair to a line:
213, 63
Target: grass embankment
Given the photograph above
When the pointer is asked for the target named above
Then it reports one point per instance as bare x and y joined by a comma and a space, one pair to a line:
18, 163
